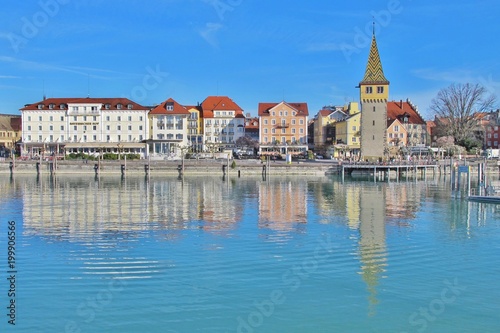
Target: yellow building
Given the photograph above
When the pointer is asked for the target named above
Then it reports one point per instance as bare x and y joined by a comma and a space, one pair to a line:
10, 133
347, 133
324, 127
195, 128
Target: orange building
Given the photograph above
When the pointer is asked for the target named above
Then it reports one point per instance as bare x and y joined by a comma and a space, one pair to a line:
283, 128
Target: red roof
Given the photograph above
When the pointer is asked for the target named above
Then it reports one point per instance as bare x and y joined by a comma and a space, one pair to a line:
176, 108
57, 102
325, 112
249, 124
220, 103
399, 110
301, 108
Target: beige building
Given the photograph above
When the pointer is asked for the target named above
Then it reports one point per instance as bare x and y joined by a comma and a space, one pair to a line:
283, 128
10, 133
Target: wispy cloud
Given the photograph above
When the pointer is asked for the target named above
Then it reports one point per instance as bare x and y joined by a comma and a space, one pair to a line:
454, 75
9, 77
84, 71
460, 76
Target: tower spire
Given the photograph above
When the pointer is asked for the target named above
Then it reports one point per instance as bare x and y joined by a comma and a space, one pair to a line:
374, 72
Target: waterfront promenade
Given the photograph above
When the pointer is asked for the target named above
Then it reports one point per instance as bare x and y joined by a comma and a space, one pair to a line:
188, 167
384, 170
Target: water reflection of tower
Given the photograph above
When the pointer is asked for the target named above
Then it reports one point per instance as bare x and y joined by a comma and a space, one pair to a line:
372, 247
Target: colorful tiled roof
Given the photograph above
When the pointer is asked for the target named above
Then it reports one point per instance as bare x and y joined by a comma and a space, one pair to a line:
374, 73
176, 108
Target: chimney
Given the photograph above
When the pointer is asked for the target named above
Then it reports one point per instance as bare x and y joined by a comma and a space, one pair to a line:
401, 104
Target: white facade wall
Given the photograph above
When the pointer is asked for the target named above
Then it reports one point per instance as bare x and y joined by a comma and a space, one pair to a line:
84, 123
224, 128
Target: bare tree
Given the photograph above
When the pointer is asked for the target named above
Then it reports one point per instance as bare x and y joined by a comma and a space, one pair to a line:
457, 106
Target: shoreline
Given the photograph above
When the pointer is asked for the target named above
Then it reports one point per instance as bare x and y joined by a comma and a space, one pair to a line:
191, 167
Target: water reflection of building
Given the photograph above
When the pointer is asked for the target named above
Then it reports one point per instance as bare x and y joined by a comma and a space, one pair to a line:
86, 207
282, 204
372, 243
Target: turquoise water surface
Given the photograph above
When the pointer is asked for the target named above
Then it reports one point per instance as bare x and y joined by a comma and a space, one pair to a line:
298, 254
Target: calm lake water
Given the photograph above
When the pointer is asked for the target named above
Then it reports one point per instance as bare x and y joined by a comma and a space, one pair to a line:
294, 254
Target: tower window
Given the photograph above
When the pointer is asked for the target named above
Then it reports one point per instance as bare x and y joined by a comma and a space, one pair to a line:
369, 90
380, 90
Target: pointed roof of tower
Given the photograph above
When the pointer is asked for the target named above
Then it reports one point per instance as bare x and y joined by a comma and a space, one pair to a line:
374, 72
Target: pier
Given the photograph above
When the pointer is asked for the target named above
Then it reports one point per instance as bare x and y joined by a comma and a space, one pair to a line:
383, 170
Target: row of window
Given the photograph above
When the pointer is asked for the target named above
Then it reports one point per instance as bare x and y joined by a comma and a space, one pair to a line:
283, 131
169, 136
223, 139
84, 108
224, 113
283, 140
495, 144
84, 138
8, 135
283, 113
86, 118
495, 135
369, 90
283, 122
85, 127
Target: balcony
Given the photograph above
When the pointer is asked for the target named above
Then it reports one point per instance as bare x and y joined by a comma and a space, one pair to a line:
283, 125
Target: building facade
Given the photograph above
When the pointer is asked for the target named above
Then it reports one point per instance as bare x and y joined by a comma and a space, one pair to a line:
56, 126
168, 130
10, 133
283, 128
195, 128
415, 126
223, 123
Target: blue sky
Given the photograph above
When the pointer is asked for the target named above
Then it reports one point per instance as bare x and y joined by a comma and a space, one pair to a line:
251, 50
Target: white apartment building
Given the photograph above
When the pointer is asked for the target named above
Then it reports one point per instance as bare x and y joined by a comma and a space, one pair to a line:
168, 130
223, 122
57, 126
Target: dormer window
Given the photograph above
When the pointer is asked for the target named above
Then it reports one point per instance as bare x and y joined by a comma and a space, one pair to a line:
129, 106
107, 106
40, 106
170, 106
62, 107
51, 106
118, 106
